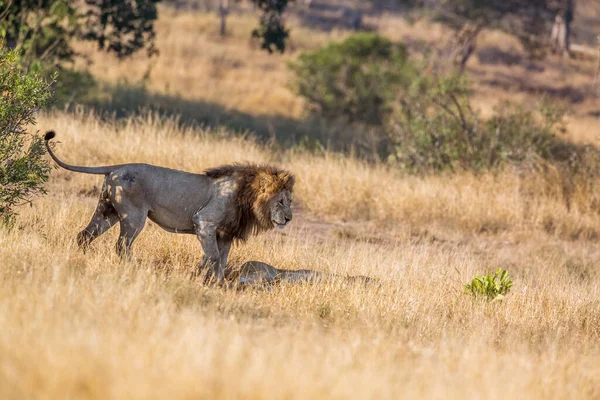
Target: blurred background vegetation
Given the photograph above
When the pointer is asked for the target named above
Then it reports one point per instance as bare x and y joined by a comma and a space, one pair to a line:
423, 86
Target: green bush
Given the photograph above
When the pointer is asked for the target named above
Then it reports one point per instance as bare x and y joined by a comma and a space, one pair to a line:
490, 287
434, 129
23, 170
356, 79
421, 121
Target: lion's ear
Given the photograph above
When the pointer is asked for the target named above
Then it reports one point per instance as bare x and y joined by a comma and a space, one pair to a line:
288, 181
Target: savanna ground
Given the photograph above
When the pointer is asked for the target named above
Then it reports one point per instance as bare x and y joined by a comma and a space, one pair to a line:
80, 325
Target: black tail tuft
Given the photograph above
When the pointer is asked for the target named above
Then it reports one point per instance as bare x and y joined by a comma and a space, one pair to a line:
49, 135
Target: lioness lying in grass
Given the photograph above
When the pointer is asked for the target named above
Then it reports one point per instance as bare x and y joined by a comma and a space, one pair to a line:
256, 272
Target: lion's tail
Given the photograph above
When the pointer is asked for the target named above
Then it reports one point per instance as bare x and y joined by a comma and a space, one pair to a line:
86, 170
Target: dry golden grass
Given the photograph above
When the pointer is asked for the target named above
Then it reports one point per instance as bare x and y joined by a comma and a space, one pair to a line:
337, 187
91, 327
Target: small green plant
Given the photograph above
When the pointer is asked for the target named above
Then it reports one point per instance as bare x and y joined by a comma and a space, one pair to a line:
492, 287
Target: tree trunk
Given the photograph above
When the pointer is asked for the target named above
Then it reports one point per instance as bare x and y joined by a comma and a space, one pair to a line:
223, 11
569, 15
560, 38
598, 66
464, 44
357, 20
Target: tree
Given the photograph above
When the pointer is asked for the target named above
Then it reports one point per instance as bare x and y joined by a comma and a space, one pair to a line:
43, 28
560, 38
223, 12
528, 20
121, 26
271, 30
23, 169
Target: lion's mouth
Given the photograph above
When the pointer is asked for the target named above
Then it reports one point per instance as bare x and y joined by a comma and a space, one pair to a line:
278, 224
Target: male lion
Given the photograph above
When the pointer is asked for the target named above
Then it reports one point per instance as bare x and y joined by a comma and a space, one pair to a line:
225, 203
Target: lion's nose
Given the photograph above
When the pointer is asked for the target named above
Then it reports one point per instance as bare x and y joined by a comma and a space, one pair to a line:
288, 218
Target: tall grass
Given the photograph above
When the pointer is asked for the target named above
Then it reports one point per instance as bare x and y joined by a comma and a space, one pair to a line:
88, 326
342, 188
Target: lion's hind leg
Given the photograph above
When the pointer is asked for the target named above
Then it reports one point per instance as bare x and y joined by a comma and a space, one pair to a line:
103, 219
131, 225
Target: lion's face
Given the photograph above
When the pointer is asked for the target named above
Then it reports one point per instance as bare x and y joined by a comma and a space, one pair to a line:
281, 209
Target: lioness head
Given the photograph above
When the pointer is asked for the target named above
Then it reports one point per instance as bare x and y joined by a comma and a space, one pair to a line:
280, 208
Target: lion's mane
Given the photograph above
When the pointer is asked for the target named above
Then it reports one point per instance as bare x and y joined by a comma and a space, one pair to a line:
256, 186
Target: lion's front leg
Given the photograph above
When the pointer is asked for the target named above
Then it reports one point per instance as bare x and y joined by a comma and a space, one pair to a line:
207, 235
224, 247
201, 268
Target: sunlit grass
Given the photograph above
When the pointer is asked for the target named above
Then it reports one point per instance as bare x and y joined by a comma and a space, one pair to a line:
90, 326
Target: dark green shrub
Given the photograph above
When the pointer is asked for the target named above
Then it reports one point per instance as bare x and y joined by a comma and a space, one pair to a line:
422, 121
356, 79
434, 129
23, 170
44, 29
